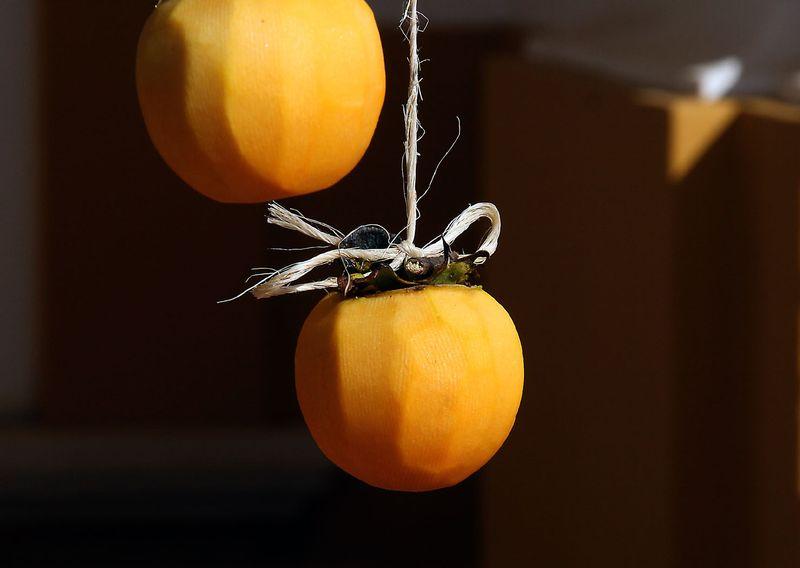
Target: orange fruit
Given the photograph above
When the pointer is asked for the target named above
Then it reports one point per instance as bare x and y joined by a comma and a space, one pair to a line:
411, 389
252, 100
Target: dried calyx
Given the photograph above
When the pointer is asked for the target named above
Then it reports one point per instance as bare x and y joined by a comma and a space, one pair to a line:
362, 278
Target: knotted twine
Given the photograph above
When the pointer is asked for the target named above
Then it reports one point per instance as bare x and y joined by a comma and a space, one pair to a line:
284, 281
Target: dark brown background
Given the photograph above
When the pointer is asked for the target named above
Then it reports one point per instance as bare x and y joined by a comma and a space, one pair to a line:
658, 314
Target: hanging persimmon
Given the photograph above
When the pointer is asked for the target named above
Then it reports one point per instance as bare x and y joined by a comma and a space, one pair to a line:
408, 374
252, 100
412, 389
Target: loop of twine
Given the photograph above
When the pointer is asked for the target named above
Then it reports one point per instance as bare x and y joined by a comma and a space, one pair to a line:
284, 281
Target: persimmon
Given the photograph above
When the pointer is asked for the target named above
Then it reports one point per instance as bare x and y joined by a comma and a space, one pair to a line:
251, 100
412, 389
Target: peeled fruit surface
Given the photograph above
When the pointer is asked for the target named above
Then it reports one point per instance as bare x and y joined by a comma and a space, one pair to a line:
252, 100
412, 389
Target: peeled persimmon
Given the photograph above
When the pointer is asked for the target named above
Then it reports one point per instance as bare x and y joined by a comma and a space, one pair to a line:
412, 389
252, 100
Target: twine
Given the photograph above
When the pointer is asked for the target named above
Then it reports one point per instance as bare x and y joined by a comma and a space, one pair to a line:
412, 122
283, 281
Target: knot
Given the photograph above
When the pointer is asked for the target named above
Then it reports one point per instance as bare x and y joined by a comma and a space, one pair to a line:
415, 260
410, 251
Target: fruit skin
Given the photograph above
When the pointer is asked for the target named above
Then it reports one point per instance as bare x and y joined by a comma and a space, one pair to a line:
413, 389
252, 100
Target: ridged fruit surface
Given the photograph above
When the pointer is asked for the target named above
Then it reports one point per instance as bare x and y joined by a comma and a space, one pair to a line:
413, 389
252, 100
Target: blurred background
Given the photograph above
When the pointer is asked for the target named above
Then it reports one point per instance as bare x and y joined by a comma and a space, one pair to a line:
646, 159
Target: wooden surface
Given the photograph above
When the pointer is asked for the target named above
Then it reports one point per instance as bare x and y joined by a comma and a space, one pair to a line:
649, 258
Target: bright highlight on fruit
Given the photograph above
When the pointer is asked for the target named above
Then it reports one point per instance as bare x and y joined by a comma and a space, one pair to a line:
252, 100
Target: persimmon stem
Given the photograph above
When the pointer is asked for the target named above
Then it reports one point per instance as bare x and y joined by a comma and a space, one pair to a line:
412, 123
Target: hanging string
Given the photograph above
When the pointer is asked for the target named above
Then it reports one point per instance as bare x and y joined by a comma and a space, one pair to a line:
285, 280
412, 122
